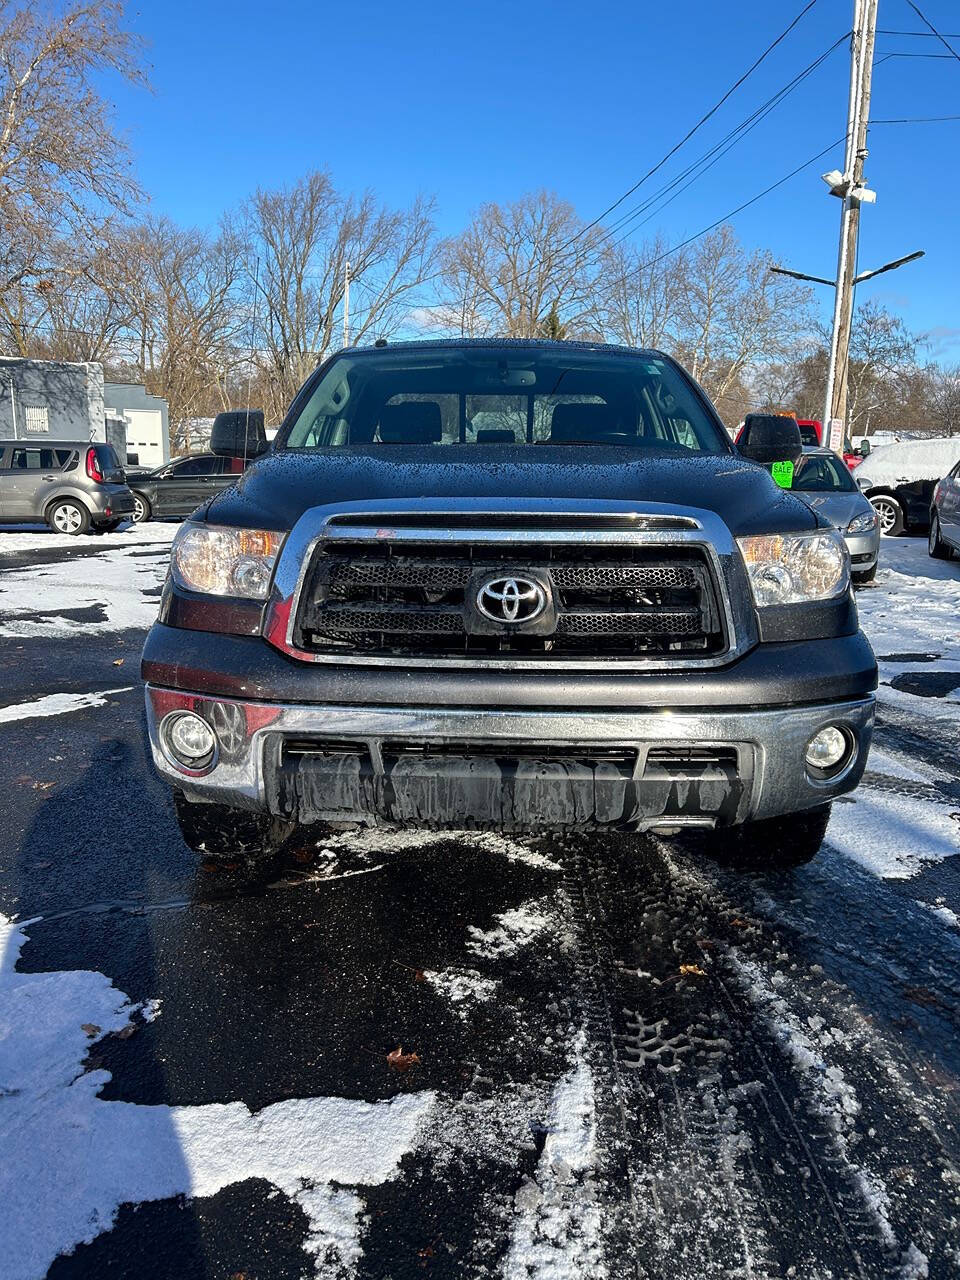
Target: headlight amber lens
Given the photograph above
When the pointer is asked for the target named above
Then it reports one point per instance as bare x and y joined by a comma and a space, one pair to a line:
794, 568
219, 561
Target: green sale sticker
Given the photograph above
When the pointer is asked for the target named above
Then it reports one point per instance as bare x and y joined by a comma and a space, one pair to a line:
782, 473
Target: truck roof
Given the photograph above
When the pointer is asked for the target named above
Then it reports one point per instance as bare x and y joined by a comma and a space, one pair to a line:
505, 344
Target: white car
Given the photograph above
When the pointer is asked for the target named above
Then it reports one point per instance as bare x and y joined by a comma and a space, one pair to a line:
899, 480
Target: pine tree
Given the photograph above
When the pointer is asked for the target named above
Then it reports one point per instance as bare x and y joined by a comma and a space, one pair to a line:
552, 327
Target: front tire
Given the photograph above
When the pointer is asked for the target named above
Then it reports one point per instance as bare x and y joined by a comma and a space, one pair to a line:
218, 832
890, 515
68, 517
774, 844
141, 508
936, 546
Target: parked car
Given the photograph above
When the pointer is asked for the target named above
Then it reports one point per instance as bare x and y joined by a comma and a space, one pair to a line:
609, 620
179, 487
73, 486
899, 480
826, 485
943, 540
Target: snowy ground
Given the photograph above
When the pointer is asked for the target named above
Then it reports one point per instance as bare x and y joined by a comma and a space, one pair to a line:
466, 1056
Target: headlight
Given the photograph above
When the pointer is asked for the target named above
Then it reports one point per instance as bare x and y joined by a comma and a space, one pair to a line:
793, 568
225, 562
863, 524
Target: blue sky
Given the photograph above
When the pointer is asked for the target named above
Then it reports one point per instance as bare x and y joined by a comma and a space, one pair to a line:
475, 102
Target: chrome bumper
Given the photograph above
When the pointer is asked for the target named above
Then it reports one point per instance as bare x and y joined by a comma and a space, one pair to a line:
769, 746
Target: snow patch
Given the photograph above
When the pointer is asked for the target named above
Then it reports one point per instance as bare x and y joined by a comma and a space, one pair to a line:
32, 538
112, 580
81, 1157
556, 1234
836, 1098
894, 766
57, 704
943, 913
381, 840
893, 836
515, 930
462, 987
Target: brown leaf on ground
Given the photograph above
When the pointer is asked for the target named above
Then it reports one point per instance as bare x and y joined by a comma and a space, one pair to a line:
43, 786
693, 970
90, 1028
397, 1060
118, 662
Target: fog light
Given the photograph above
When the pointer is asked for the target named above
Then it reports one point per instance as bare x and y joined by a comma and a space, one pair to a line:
189, 739
827, 748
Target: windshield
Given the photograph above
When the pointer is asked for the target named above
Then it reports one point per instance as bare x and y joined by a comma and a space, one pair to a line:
497, 396
822, 472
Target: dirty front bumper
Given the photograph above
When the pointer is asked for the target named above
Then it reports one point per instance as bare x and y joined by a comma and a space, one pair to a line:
511, 769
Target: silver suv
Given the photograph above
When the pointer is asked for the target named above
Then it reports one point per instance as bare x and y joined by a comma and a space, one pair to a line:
73, 486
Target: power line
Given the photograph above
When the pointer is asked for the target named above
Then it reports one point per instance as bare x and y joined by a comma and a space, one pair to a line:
933, 30
644, 266
702, 121
726, 144
889, 31
915, 120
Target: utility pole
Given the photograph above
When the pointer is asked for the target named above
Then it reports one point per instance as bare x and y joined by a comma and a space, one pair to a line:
851, 190
346, 305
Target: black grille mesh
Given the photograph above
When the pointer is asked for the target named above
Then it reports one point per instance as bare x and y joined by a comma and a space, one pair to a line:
400, 598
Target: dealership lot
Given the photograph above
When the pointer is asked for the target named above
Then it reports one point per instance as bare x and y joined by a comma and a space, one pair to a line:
417, 1053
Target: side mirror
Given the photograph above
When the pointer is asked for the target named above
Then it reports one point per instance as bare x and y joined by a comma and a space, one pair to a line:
239, 433
769, 437
864, 450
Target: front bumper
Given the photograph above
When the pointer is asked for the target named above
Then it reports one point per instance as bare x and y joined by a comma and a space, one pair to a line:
864, 549
512, 768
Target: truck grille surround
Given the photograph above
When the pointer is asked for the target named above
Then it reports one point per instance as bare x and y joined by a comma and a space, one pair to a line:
401, 597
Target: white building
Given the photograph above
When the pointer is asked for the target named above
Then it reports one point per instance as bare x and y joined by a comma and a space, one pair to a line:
145, 419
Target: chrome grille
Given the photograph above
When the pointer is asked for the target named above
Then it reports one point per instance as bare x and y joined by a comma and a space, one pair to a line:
403, 597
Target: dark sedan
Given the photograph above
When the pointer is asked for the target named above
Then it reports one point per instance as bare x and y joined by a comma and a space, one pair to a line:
178, 488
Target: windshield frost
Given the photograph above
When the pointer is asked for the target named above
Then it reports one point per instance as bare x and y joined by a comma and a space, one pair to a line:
494, 397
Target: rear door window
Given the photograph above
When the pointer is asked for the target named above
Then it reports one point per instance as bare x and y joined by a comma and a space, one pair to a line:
107, 457
210, 466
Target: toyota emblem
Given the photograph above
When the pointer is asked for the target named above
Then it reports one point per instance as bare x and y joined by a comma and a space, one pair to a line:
511, 599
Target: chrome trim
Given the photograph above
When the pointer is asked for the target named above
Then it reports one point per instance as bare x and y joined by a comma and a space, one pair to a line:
771, 744
694, 527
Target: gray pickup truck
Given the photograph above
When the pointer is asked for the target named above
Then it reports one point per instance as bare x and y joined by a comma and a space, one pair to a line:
516, 585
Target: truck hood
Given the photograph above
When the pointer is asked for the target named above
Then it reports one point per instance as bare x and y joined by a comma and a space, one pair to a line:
276, 491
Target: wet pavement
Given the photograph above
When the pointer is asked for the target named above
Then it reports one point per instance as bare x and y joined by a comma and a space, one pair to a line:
419, 1054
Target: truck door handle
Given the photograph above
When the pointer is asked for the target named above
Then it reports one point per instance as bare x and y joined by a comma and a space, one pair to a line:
49, 479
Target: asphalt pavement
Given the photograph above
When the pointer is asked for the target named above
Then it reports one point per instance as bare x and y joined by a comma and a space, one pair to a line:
409, 1054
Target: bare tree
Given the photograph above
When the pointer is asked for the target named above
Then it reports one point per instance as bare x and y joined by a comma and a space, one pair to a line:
60, 158
188, 318
735, 313
882, 352
944, 400
77, 308
517, 264
642, 293
299, 241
